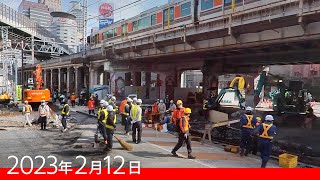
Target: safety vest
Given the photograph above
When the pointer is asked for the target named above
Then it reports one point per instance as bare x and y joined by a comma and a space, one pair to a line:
134, 111
184, 124
99, 111
63, 112
266, 128
177, 114
104, 120
122, 106
114, 120
43, 110
249, 119
27, 108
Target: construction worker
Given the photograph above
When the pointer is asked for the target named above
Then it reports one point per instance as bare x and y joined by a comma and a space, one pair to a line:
65, 112
127, 109
161, 109
43, 114
266, 132
91, 105
309, 117
112, 101
134, 101
177, 114
73, 98
167, 102
136, 117
101, 107
110, 126
172, 106
155, 111
27, 109
247, 124
102, 119
184, 134
122, 111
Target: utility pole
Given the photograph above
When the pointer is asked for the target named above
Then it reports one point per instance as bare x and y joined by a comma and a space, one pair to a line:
85, 19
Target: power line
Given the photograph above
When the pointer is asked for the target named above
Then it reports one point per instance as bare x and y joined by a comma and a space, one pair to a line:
94, 3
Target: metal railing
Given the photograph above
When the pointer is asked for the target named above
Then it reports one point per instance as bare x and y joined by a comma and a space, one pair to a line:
19, 21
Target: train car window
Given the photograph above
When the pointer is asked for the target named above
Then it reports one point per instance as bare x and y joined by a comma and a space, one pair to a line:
185, 9
135, 25
228, 2
144, 22
115, 32
153, 20
110, 33
124, 29
165, 14
206, 4
105, 35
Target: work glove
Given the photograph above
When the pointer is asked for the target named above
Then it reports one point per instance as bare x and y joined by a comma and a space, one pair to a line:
185, 135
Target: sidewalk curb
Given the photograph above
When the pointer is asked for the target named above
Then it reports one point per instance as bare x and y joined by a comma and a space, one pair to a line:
86, 114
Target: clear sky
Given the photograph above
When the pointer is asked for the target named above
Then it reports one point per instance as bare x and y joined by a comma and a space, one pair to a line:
123, 13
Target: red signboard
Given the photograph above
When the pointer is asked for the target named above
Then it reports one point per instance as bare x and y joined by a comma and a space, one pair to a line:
106, 10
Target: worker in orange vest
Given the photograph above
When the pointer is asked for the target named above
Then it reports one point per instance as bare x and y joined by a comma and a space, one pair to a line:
91, 106
122, 112
177, 114
73, 98
184, 127
155, 111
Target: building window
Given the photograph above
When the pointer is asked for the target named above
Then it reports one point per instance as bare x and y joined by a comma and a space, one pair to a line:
110, 33
207, 4
144, 23
185, 9
228, 2
153, 20
166, 16
115, 32
135, 25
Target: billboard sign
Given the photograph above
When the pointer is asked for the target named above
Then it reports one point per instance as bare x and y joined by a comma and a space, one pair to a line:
105, 15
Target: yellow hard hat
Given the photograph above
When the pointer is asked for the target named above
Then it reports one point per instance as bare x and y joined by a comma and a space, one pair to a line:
179, 102
187, 111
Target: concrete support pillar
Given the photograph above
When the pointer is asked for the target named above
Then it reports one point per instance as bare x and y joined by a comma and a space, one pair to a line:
162, 89
106, 78
148, 83
68, 79
59, 79
211, 72
93, 77
76, 76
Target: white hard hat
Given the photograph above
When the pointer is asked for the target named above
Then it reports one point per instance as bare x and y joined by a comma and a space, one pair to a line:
249, 108
135, 99
43, 101
110, 108
161, 101
102, 101
113, 98
269, 118
171, 101
129, 99
139, 101
105, 104
26, 102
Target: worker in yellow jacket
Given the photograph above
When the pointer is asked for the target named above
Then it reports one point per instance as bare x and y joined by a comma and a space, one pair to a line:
110, 122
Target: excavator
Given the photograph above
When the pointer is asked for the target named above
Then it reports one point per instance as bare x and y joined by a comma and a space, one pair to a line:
35, 94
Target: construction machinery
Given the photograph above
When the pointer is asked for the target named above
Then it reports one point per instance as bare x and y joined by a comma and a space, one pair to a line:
35, 93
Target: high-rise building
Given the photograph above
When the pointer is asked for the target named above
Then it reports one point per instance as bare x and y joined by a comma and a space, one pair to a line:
55, 5
39, 13
65, 28
76, 10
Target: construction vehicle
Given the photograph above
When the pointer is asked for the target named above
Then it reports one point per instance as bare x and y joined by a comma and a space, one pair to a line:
35, 93
237, 85
291, 99
5, 99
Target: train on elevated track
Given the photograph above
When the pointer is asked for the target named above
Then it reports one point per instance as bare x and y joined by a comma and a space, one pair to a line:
175, 14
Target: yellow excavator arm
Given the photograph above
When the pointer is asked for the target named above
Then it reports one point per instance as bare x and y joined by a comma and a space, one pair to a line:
241, 83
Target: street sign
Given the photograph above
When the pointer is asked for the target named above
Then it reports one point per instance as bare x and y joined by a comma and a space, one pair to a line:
18, 92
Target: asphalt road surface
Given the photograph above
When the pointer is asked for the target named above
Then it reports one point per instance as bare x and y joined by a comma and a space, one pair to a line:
22, 142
